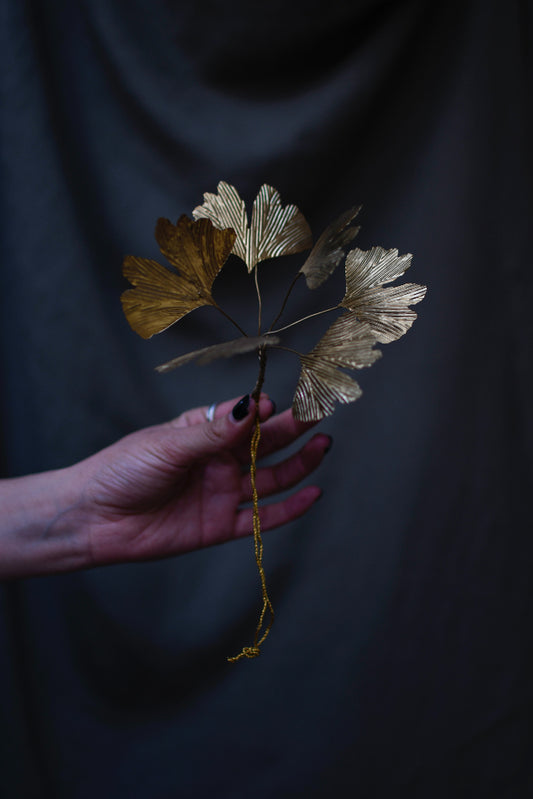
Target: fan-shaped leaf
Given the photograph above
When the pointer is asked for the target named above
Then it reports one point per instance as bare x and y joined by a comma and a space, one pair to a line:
347, 343
320, 385
274, 229
226, 210
330, 249
386, 310
161, 297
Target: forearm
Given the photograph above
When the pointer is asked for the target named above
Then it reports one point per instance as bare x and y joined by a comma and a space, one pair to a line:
41, 531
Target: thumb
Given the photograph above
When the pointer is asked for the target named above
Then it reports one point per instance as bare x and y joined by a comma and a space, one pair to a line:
223, 434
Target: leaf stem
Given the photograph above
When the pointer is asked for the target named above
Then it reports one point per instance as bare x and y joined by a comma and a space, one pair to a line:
287, 349
305, 318
230, 319
284, 303
259, 301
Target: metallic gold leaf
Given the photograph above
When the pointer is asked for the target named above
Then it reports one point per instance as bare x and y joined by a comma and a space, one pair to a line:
226, 349
226, 210
348, 343
320, 385
386, 310
330, 249
274, 230
161, 297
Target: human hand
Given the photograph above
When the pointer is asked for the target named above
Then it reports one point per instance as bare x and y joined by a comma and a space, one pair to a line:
176, 487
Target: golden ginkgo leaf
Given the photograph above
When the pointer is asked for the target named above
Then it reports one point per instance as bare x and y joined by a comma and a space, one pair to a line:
348, 343
161, 297
226, 349
274, 230
330, 249
320, 385
386, 310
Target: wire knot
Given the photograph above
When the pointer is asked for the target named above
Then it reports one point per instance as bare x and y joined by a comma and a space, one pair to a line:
251, 651
247, 652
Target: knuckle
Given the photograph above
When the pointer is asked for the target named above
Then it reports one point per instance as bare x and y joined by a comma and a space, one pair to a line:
215, 434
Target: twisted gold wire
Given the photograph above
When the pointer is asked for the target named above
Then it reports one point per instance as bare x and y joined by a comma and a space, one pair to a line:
255, 650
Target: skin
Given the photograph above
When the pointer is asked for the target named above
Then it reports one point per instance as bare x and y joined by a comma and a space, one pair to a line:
161, 491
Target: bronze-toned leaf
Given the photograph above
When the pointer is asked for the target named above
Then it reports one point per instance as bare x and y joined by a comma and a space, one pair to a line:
226, 349
274, 230
330, 249
348, 343
161, 297
386, 310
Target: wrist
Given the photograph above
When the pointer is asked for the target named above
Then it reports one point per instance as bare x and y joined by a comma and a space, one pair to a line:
41, 525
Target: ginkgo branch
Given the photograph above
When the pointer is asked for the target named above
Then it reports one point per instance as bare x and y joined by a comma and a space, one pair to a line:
256, 393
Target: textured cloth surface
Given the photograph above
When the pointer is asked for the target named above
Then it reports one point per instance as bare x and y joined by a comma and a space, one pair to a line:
400, 661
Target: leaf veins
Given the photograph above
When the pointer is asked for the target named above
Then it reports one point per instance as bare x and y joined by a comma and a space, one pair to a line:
348, 343
386, 310
274, 230
330, 249
161, 297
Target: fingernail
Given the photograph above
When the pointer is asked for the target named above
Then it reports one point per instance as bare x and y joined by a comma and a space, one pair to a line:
329, 445
274, 407
240, 410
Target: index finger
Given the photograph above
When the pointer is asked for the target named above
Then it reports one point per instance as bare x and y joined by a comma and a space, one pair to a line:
200, 415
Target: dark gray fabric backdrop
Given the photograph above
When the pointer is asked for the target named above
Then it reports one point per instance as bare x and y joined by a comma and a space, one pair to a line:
400, 662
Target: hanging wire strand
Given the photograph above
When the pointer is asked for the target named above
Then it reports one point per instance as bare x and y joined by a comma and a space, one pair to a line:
260, 634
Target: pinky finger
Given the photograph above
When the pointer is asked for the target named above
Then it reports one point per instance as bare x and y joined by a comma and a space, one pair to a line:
279, 512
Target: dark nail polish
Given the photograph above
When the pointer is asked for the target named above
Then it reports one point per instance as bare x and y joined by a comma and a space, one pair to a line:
274, 407
329, 445
240, 410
